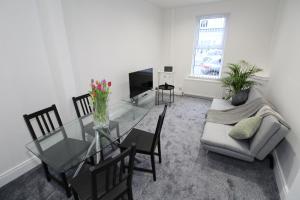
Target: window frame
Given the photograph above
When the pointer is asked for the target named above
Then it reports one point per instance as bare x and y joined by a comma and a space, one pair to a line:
196, 39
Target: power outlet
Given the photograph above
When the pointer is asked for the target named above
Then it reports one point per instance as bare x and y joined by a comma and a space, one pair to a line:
180, 91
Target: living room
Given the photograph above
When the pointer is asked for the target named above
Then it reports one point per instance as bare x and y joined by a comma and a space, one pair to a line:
51, 49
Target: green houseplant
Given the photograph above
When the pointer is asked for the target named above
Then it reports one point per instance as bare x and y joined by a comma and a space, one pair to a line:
238, 81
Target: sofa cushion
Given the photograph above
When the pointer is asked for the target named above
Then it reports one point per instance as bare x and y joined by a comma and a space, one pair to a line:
229, 153
220, 104
217, 135
269, 126
245, 128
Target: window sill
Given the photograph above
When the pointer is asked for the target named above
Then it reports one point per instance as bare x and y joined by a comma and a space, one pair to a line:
204, 79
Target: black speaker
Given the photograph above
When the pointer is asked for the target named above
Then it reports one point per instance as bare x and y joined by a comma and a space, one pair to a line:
168, 69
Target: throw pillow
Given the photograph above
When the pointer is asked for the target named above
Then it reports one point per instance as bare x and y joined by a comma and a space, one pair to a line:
245, 128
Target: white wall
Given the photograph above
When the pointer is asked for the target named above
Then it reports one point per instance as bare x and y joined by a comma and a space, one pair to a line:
250, 30
294, 191
56, 44
110, 38
49, 50
284, 88
26, 83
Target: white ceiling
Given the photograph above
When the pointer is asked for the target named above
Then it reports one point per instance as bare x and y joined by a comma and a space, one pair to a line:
178, 3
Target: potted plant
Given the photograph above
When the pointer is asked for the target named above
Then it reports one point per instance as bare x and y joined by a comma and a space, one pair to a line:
238, 81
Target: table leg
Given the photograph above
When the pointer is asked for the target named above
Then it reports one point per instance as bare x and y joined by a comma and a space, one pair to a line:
157, 99
99, 149
86, 156
173, 96
118, 133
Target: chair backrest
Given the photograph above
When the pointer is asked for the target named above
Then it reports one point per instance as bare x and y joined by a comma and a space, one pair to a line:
44, 121
159, 125
115, 177
84, 101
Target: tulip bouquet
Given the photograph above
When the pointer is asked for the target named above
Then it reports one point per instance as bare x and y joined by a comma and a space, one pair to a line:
99, 94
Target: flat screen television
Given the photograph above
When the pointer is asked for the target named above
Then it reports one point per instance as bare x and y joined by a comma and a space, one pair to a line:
140, 81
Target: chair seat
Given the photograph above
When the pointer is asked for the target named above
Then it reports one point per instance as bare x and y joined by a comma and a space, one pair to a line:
82, 184
142, 139
61, 154
217, 135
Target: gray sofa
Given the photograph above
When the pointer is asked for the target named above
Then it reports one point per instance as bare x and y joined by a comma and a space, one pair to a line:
215, 136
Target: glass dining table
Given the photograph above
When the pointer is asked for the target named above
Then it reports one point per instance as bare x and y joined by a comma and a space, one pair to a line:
66, 149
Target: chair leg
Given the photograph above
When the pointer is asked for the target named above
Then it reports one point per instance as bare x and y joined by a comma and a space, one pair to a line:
46, 170
122, 162
271, 160
153, 167
76, 197
92, 160
65, 184
159, 151
130, 195
123, 197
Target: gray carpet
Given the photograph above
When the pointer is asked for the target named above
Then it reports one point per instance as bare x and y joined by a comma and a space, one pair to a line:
187, 170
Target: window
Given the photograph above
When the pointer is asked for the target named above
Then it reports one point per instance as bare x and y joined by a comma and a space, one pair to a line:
209, 47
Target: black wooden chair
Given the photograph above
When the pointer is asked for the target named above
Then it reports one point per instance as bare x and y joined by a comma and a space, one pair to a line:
146, 143
107, 180
45, 126
86, 109
48, 126
84, 101
83, 107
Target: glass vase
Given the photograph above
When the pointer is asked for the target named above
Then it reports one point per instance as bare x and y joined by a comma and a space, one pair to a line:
101, 113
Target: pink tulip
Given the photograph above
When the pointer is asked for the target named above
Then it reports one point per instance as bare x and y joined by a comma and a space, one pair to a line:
99, 87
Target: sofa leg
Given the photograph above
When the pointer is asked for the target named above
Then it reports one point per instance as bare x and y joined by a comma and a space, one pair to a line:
271, 160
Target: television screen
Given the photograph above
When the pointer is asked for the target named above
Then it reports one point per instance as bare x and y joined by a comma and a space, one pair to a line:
140, 81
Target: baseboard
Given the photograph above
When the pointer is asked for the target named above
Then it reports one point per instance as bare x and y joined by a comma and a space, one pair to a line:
280, 180
198, 96
18, 170
178, 93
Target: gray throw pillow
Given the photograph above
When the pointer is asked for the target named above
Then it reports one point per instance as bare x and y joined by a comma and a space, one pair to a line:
245, 128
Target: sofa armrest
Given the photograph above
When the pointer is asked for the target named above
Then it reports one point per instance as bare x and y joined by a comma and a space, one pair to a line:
272, 142
269, 126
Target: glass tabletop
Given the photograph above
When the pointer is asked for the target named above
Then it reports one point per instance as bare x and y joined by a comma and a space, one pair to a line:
79, 139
